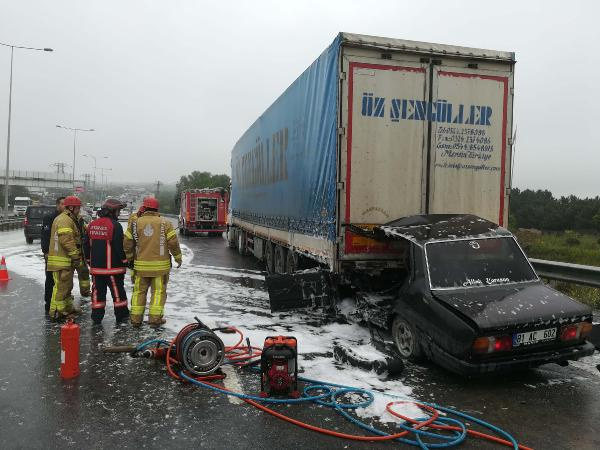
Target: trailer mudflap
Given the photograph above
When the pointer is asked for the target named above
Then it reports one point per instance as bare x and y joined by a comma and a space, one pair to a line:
304, 289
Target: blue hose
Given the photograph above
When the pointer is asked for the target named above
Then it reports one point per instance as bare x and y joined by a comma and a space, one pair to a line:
143, 345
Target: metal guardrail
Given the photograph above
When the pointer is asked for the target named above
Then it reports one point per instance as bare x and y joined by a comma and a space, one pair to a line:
10, 224
570, 273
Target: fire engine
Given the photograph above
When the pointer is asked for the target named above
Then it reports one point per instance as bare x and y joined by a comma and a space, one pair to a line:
203, 211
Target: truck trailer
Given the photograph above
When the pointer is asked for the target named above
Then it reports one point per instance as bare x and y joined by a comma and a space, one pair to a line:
374, 130
203, 211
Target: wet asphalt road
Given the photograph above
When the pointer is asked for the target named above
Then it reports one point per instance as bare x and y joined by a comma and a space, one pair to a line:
118, 401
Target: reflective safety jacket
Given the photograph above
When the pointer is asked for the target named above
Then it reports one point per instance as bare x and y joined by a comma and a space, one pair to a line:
104, 248
65, 242
132, 229
156, 238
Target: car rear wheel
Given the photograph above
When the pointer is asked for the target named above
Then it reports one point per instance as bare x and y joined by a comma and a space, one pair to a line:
406, 339
29, 240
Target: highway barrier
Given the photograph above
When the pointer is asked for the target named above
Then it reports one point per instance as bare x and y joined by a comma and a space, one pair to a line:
570, 273
10, 224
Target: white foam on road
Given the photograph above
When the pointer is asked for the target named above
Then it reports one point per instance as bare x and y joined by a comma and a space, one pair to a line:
232, 383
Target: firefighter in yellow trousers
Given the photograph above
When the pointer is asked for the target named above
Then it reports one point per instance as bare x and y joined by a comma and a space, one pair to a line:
64, 256
153, 246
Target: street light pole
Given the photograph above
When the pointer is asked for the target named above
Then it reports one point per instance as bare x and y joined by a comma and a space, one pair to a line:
6, 169
74, 130
105, 187
95, 167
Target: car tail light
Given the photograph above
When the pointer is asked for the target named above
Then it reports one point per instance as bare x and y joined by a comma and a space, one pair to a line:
25, 221
492, 344
575, 331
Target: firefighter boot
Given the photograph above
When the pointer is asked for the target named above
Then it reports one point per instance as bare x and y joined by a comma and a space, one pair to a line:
136, 320
121, 314
156, 321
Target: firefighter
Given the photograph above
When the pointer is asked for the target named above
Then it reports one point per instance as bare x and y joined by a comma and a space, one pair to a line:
45, 244
64, 255
83, 272
132, 229
108, 264
155, 239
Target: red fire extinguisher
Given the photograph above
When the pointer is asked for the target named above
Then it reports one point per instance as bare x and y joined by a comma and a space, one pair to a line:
69, 350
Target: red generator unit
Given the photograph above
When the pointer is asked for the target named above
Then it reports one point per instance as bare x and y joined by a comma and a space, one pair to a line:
279, 367
203, 211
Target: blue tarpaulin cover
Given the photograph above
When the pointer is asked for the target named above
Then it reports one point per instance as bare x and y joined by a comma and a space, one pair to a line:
284, 166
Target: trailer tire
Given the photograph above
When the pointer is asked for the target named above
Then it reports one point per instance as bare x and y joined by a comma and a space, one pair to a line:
406, 339
241, 243
279, 260
231, 241
291, 262
269, 257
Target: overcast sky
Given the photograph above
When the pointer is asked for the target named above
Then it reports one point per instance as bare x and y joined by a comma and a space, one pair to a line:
171, 85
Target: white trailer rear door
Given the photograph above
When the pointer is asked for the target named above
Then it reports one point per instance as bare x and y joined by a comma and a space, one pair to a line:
469, 158
383, 155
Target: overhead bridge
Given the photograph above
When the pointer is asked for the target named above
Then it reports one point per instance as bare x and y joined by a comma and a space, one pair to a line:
39, 179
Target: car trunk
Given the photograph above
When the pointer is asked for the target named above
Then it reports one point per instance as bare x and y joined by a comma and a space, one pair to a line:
519, 306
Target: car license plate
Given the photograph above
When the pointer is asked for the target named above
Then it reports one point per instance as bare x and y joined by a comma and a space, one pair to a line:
534, 337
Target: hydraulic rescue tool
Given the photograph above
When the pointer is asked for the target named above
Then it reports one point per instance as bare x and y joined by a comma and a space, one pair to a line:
279, 367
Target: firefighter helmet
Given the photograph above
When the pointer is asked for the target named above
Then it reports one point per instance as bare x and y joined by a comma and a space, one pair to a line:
150, 202
112, 204
71, 200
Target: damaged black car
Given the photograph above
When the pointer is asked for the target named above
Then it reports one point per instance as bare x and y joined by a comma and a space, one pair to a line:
473, 303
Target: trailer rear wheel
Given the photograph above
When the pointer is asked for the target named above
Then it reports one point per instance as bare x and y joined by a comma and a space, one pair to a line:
280, 257
231, 241
241, 235
269, 257
406, 339
291, 263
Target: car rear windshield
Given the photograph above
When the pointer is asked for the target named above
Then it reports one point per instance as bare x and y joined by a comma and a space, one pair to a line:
477, 262
38, 212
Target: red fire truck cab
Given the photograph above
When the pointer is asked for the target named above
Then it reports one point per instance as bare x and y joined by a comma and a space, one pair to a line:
203, 211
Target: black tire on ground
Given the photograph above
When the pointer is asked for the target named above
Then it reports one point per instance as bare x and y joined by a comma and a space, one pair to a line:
406, 339
279, 260
29, 240
241, 242
180, 229
291, 262
269, 257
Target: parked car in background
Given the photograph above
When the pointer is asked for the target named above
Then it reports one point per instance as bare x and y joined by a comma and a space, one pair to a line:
34, 216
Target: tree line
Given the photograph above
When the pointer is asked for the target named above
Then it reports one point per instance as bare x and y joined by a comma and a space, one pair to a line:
540, 209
